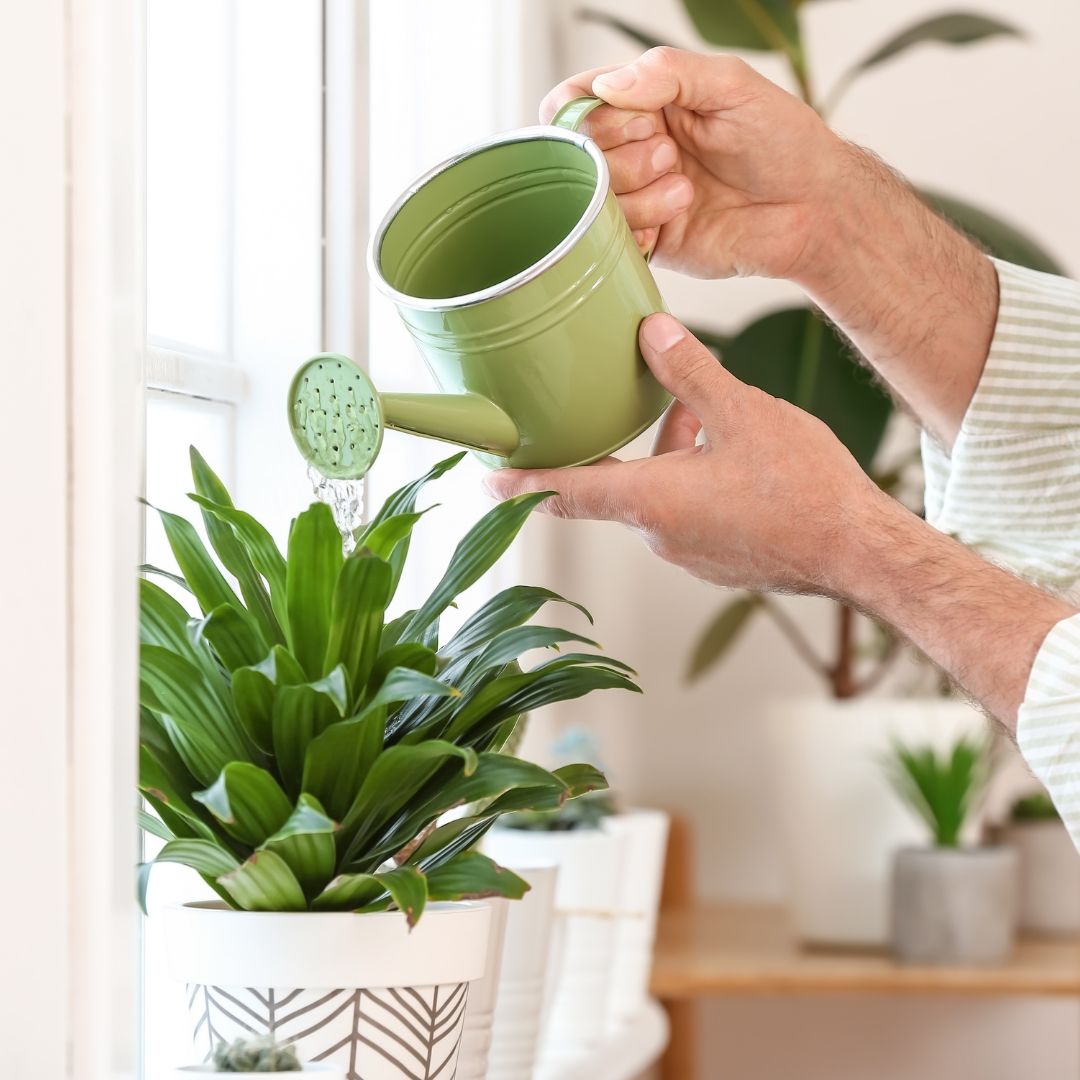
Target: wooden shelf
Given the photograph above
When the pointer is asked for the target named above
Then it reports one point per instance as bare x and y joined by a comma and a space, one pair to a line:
740, 950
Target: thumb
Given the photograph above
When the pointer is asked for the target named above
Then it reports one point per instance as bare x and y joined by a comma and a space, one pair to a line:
666, 76
599, 492
684, 367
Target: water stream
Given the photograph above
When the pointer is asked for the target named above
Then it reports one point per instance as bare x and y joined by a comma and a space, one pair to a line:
346, 501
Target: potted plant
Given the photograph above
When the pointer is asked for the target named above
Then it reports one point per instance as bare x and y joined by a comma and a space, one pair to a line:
839, 823
299, 750
951, 904
260, 1054
1049, 867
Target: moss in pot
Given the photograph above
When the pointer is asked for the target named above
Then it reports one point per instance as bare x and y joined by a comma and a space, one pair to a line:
300, 749
951, 904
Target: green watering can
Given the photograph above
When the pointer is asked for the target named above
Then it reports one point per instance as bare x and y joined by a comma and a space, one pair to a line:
514, 270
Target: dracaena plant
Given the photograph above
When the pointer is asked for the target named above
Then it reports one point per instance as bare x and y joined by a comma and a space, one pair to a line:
299, 749
794, 353
944, 788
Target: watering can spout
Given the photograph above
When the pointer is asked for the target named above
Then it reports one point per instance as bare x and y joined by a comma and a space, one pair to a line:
465, 419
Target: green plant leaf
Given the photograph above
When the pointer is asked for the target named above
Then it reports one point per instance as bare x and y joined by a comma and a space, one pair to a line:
254, 690
397, 774
264, 882
356, 622
247, 801
721, 634
206, 735
481, 547
306, 843
176, 579
232, 553
204, 856
337, 761
300, 714
314, 564
792, 355
510, 608
473, 876
955, 28
769, 25
510, 644
405, 684
406, 886
261, 549
405, 654
385, 537
998, 237
153, 825
580, 779
231, 635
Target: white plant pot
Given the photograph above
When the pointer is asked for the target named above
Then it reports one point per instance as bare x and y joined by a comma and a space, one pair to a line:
526, 948
645, 847
358, 991
578, 991
841, 822
483, 995
1049, 877
954, 905
314, 1069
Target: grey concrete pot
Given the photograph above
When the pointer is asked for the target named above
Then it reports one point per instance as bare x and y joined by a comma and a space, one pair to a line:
954, 905
1049, 877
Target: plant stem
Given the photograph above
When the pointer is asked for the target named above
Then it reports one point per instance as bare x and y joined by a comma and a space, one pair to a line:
842, 674
884, 665
794, 635
809, 363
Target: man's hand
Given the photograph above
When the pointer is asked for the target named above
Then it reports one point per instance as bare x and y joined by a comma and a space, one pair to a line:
729, 174
720, 169
770, 499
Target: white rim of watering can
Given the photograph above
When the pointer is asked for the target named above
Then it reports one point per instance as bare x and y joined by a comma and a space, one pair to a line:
563, 248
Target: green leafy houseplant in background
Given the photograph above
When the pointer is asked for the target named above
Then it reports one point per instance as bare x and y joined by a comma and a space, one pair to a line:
794, 353
299, 748
944, 788
258, 1054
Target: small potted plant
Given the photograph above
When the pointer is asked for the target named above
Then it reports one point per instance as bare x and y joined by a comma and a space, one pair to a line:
260, 1054
1049, 867
951, 904
300, 750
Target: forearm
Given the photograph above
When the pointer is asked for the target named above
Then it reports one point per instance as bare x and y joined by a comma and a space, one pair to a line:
978, 622
914, 295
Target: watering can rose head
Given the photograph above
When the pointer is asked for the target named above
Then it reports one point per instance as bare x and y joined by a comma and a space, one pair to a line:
299, 749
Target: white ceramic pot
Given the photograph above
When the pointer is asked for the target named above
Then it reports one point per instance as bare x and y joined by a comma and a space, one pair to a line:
483, 994
1049, 877
526, 947
358, 991
582, 955
841, 822
645, 847
314, 1069
954, 905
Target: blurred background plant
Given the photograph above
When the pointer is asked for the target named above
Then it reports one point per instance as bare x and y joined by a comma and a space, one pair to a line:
797, 355
943, 789
261, 1053
1034, 807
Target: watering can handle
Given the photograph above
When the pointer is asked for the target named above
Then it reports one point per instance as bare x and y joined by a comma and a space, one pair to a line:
571, 115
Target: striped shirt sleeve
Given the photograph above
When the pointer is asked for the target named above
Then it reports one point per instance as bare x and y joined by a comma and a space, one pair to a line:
1011, 490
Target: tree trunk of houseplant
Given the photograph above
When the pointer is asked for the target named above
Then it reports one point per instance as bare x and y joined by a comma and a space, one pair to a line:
1049, 872
359, 991
954, 905
840, 820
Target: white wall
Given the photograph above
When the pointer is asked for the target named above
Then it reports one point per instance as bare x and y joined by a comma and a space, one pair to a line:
998, 124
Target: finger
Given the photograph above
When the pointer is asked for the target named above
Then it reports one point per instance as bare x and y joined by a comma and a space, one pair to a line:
634, 165
678, 430
659, 203
576, 86
601, 492
684, 367
646, 239
607, 126
666, 76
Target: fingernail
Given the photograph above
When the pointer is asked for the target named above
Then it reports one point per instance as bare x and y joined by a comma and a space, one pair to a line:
620, 79
663, 157
662, 332
641, 127
680, 196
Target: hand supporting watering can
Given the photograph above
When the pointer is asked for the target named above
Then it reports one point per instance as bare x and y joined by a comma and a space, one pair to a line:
518, 268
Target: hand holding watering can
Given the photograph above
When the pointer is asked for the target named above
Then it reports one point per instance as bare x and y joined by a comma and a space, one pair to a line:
514, 270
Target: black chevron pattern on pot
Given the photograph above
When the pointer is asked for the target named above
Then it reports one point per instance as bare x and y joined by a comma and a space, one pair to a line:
397, 1033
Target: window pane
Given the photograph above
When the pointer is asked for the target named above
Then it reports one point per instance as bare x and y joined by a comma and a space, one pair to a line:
188, 150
